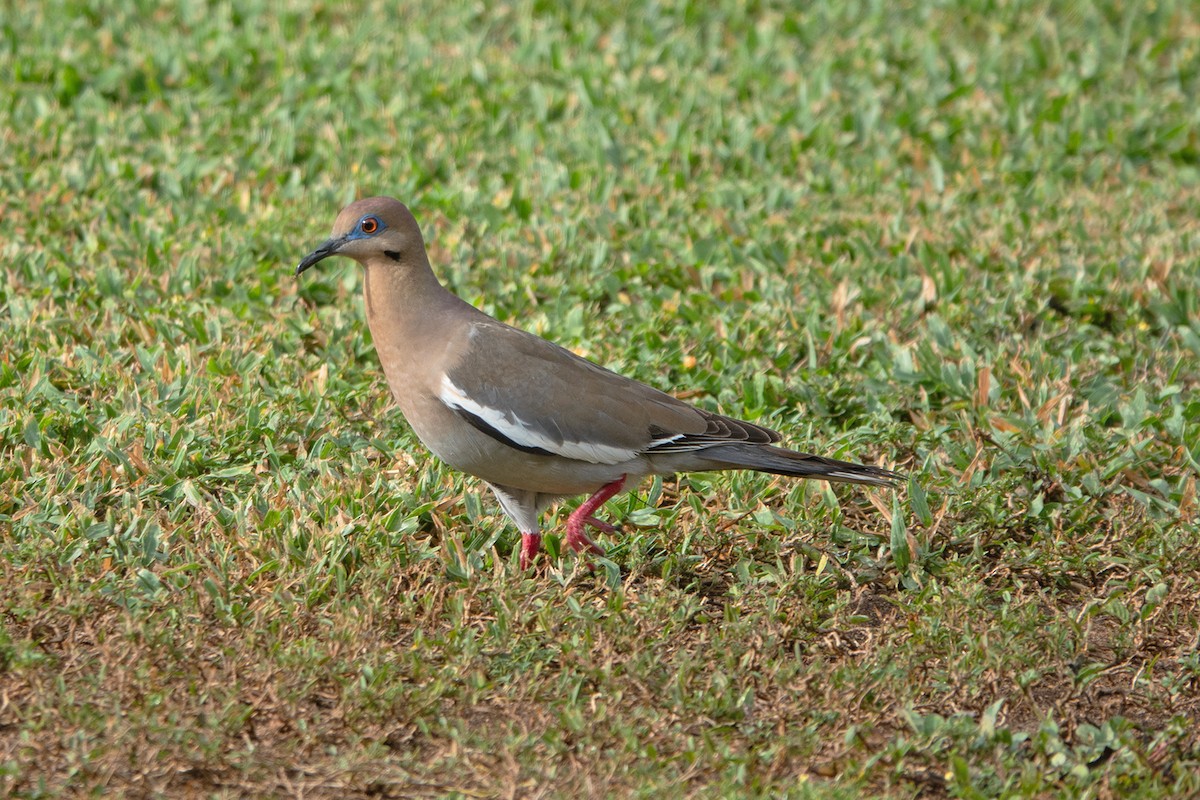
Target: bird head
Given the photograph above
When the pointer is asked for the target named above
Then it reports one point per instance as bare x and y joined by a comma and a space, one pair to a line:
375, 227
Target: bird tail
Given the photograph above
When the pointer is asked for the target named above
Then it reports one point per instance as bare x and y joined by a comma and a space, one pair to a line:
781, 461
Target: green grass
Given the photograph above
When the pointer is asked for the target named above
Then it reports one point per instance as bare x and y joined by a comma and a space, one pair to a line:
958, 239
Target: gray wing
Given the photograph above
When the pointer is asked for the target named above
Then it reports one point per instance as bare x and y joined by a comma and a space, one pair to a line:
538, 397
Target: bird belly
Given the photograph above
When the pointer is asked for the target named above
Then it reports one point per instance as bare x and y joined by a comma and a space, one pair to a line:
476, 453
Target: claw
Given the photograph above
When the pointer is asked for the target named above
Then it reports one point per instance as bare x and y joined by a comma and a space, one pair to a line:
576, 539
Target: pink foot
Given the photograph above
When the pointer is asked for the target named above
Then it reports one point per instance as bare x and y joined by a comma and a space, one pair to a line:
576, 539
531, 543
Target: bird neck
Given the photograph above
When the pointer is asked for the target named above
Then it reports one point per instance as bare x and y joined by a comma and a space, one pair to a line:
412, 318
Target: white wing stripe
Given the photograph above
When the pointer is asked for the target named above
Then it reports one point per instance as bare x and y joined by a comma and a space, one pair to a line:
513, 427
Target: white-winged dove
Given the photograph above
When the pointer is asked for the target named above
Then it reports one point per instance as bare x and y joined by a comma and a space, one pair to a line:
534, 421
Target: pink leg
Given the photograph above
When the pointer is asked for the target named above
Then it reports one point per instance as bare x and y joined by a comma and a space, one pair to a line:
531, 543
576, 539
600, 525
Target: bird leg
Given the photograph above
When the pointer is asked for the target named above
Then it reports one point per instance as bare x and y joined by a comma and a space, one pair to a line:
531, 543
600, 525
576, 539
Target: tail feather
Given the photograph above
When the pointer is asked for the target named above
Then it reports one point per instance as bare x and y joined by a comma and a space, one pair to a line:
781, 461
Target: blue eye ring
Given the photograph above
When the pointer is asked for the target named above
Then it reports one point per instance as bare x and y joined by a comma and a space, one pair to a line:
370, 225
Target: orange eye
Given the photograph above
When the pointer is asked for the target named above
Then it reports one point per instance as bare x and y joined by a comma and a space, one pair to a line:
369, 225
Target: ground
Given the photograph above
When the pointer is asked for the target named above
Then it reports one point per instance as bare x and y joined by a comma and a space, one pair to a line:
960, 241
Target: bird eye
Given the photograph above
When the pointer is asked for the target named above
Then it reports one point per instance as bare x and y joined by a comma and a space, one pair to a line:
368, 225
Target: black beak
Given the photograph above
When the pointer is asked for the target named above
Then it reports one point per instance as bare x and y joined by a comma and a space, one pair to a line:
323, 252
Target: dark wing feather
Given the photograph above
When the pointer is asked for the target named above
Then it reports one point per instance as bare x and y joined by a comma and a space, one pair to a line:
720, 430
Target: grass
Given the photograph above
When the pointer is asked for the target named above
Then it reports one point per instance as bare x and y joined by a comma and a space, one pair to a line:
957, 239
